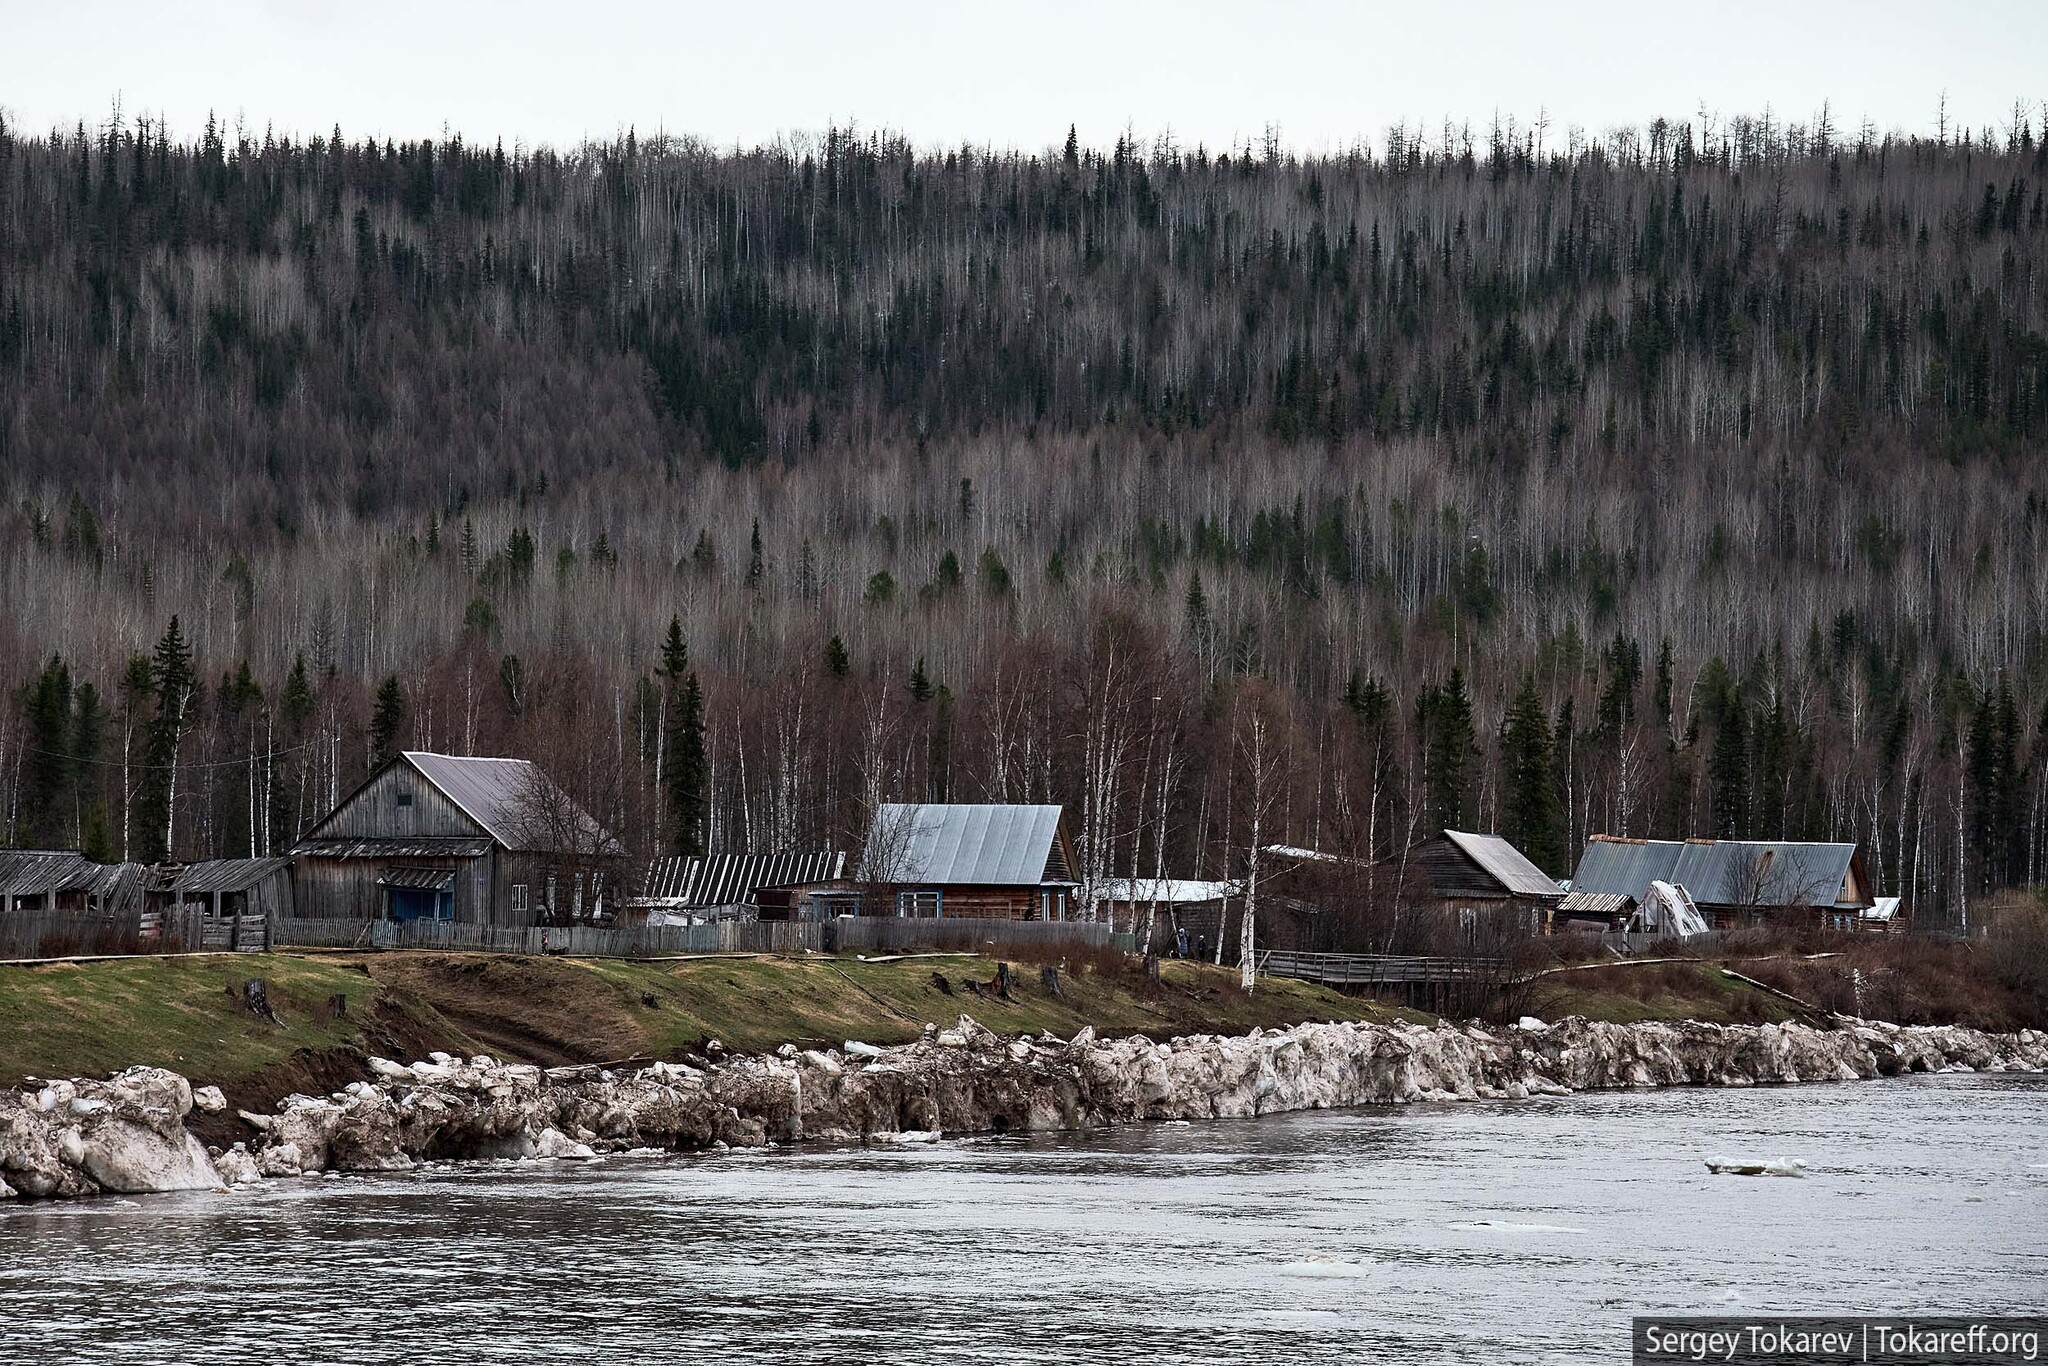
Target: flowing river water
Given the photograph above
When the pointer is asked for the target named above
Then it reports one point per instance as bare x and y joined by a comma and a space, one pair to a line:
1496, 1232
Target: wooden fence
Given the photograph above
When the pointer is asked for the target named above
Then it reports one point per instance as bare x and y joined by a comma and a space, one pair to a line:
72, 934
907, 934
577, 941
1376, 969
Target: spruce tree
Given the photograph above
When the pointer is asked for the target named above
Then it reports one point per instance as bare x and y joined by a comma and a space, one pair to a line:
920, 683
296, 707
1447, 762
837, 662
756, 563
88, 738
387, 720
1529, 792
46, 762
689, 776
1728, 774
175, 687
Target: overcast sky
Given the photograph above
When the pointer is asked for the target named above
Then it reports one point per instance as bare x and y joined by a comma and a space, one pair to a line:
1327, 73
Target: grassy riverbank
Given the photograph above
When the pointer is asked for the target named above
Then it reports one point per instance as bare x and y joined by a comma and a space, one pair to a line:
186, 1013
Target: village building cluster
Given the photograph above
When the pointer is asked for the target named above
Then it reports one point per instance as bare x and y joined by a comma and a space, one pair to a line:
494, 842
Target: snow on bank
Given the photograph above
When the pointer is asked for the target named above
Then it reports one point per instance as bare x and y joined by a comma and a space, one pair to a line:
127, 1134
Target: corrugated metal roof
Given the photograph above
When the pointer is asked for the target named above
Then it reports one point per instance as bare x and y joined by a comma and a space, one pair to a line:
1625, 866
33, 872
1596, 903
1720, 872
961, 844
221, 875
1177, 891
392, 848
1504, 863
732, 879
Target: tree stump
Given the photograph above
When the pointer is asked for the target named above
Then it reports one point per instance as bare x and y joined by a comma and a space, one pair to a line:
1003, 980
256, 996
1049, 978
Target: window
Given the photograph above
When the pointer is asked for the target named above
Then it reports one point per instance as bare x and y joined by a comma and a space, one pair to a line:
404, 800
918, 904
551, 893
576, 899
519, 898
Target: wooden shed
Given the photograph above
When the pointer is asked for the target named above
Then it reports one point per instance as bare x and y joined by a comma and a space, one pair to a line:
478, 841
1459, 875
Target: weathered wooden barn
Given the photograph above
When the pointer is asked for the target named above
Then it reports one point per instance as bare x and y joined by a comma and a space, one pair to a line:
66, 880
694, 890
1735, 883
225, 887
991, 862
449, 837
1459, 875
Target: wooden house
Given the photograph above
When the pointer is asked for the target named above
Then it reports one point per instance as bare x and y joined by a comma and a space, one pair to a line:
985, 862
1735, 883
445, 837
1458, 877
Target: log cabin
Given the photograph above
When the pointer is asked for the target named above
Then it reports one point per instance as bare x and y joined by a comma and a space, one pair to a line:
477, 841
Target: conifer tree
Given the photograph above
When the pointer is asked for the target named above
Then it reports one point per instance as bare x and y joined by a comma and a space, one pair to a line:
1529, 792
46, 763
387, 720
837, 663
756, 564
1728, 774
175, 687
689, 776
1447, 761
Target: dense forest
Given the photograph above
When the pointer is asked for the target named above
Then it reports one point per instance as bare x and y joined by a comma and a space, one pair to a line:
1682, 480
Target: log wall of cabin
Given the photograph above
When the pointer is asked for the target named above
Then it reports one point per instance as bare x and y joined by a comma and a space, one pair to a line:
349, 888
398, 804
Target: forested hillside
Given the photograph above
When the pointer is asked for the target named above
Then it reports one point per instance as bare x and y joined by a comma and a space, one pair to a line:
1687, 480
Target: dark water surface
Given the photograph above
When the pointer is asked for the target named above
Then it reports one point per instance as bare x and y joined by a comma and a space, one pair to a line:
1505, 1232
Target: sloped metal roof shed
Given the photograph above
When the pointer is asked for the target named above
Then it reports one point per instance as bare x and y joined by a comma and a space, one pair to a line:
732, 879
962, 844
1504, 863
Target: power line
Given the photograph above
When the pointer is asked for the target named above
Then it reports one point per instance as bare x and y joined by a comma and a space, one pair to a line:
185, 766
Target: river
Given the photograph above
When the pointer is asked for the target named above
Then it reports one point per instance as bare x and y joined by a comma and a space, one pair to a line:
1497, 1232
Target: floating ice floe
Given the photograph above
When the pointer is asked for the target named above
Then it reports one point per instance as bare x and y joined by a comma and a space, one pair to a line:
1783, 1166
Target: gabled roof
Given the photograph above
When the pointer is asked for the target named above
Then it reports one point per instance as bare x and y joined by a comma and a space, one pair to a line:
492, 792
1720, 872
732, 879
958, 843
1503, 863
489, 791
